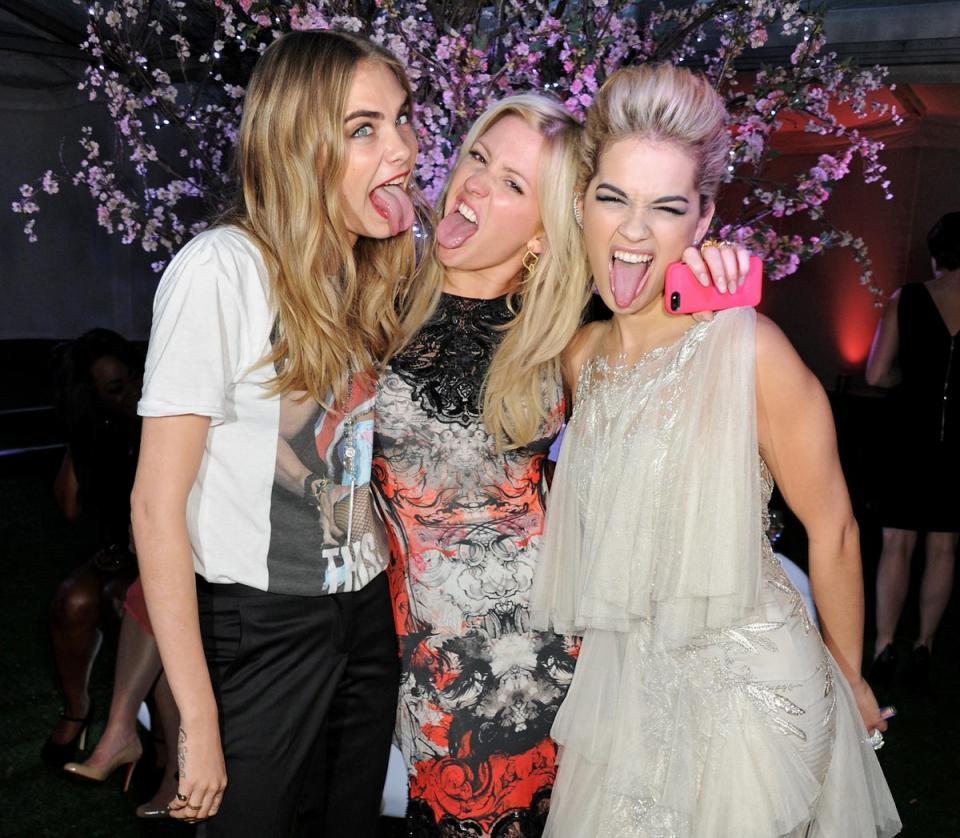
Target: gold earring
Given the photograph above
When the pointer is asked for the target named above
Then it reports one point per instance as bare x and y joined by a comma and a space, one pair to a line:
529, 261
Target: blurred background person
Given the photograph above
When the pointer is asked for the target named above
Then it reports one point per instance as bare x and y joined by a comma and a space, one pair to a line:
913, 350
98, 379
138, 673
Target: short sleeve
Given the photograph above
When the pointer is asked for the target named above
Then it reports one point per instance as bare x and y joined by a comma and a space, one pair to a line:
197, 337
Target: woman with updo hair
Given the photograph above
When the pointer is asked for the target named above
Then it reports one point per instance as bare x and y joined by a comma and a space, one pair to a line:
704, 702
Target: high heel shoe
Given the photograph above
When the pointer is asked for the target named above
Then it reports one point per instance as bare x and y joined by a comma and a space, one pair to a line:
128, 756
56, 754
153, 810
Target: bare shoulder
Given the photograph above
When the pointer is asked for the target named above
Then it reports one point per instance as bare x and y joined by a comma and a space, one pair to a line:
782, 376
583, 346
773, 345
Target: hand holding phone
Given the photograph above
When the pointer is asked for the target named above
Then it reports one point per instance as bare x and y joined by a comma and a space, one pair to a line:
683, 294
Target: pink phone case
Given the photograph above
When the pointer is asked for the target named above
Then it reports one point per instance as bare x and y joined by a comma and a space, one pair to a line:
683, 293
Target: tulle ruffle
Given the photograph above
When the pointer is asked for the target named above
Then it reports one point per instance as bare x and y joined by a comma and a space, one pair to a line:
659, 459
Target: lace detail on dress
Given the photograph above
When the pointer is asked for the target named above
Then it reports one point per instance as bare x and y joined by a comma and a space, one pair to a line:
447, 361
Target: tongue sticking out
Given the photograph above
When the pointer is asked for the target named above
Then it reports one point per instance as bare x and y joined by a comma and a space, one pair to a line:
394, 205
626, 280
454, 230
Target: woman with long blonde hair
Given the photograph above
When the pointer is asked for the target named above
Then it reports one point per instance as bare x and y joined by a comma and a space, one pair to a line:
466, 412
260, 553
705, 702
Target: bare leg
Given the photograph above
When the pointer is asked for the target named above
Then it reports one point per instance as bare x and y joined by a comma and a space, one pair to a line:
75, 632
138, 665
169, 719
893, 579
937, 583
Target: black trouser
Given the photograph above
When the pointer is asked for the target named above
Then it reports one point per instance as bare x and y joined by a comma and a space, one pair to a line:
306, 689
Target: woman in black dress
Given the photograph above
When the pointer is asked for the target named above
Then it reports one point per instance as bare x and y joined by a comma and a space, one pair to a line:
914, 349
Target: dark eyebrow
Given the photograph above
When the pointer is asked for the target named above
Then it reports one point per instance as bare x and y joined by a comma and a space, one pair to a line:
666, 199
612, 188
404, 106
364, 114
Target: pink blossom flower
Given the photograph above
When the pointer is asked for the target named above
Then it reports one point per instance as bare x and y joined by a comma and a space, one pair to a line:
456, 70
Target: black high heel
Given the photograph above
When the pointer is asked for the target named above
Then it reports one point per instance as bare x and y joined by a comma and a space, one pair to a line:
57, 754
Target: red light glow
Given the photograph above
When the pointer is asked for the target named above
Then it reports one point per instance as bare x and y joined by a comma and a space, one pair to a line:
854, 321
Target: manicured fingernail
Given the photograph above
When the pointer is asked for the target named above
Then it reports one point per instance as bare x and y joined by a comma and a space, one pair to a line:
888, 712
704, 279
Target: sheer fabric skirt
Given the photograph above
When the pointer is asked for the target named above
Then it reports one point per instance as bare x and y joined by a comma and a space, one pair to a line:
750, 732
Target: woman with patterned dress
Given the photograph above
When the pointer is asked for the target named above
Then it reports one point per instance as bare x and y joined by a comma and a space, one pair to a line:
461, 480
466, 412
479, 690
704, 703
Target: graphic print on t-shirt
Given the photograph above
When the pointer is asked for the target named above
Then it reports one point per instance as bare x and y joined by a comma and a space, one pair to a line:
319, 500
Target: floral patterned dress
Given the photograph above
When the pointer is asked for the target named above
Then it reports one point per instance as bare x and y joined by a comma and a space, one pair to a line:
479, 689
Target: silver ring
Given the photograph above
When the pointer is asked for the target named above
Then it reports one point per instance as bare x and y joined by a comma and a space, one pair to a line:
875, 740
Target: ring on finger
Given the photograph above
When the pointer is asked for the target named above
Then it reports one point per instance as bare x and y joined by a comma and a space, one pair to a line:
875, 740
191, 806
713, 243
183, 798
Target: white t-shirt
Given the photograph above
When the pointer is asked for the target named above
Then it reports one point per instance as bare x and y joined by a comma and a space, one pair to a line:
248, 515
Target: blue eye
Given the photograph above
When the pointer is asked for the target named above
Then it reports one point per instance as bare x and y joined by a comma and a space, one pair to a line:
403, 119
363, 131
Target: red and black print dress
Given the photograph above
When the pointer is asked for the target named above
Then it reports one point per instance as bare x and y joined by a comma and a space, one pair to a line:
479, 689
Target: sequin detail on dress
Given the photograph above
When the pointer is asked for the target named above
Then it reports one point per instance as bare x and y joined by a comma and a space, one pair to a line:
704, 703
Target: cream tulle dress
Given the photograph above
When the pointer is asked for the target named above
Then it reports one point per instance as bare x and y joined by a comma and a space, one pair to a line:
704, 702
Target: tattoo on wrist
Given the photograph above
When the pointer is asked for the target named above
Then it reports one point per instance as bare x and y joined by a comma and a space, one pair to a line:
182, 752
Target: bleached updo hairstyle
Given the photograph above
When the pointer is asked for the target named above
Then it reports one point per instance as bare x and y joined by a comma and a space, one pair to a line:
659, 103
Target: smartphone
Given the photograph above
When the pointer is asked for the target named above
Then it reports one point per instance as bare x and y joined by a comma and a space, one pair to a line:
683, 293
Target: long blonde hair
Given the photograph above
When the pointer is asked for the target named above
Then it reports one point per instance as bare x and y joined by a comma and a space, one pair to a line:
335, 305
548, 300
663, 103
